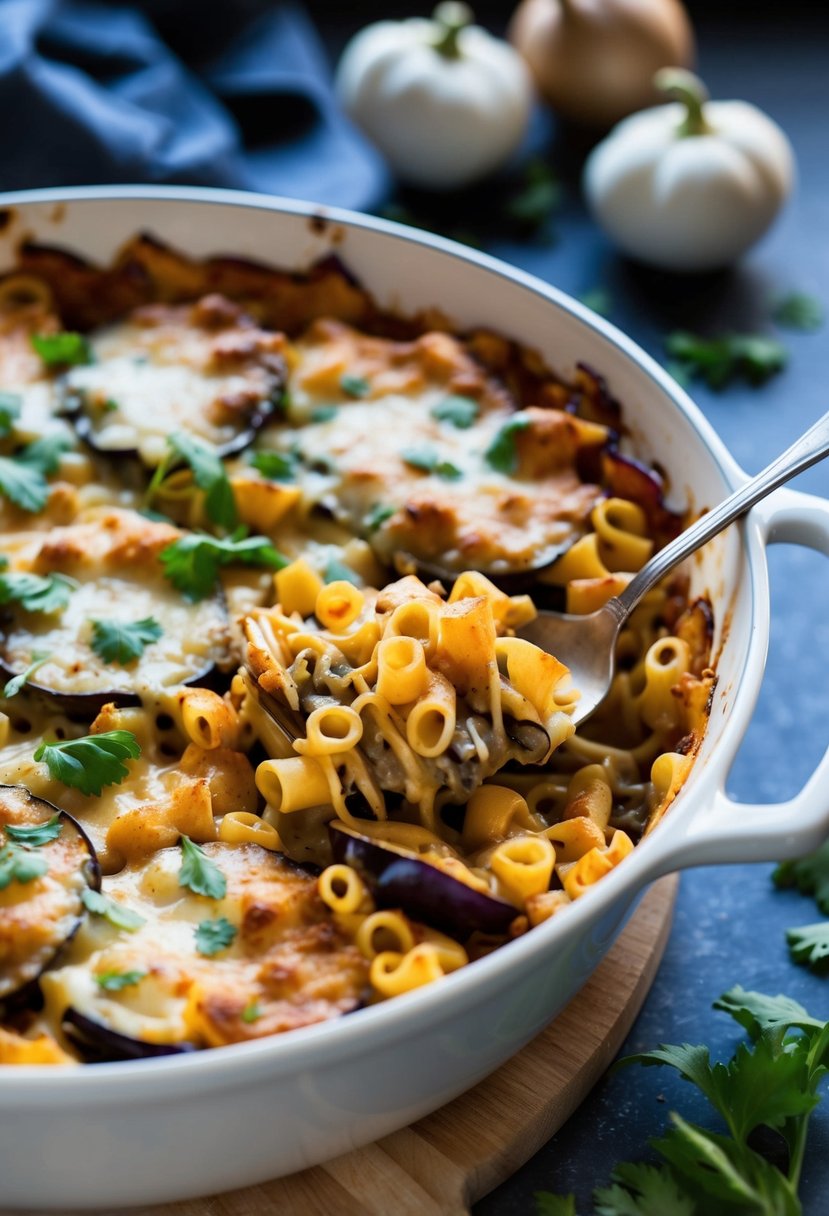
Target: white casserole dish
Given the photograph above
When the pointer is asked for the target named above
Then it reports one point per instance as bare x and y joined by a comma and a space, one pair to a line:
160, 1130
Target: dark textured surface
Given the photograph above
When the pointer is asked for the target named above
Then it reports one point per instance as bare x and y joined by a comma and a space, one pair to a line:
730, 922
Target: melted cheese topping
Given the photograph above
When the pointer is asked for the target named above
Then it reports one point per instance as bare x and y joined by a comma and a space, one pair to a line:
204, 369
37, 917
355, 455
287, 961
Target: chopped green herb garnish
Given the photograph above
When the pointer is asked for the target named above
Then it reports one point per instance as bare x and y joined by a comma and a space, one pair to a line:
251, 1013
62, 350
809, 874
192, 564
209, 475
770, 1082
23, 476
117, 914
337, 571
355, 386
378, 515
599, 300
214, 935
428, 461
323, 413
539, 196
10, 406
460, 411
36, 593
14, 685
799, 311
92, 762
199, 873
502, 454
35, 834
19, 864
123, 641
110, 406
755, 357
114, 981
277, 466
810, 944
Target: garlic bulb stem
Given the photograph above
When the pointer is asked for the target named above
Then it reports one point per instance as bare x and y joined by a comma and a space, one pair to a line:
452, 16
682, 85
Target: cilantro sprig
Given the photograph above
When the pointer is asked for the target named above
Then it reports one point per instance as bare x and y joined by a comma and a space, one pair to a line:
192, 563
427, 460
23, 475
354, 386
209, 475
198, 873
35, 593
10, 407
276, 466
35, 834
460, 411
123, 641
91, 762
13, 686
214, 935
502, 454
771, 1081
116, 981
754, 357
800, 311
19, 864
117, 914
809, 874
62, 350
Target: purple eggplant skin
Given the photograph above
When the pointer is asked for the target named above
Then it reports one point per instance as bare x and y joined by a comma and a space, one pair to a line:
421, 890
73, 409
27, 991
100, 1044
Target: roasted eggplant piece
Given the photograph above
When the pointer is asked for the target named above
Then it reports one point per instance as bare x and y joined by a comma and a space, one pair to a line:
99, 1044
206, 369
118, 627
46, 863
399, 879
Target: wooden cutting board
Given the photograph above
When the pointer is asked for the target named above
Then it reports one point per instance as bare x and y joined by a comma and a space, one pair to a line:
443, 1163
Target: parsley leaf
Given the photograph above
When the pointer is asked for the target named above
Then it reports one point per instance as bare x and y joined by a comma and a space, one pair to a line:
122, 641
34, 593
759, 1013
355, 386
539, 196
19, 864
428, 461
199, 873
337, 571
276, 466
554, 1205
755, 357
92, 762
251, 1013
114, 981
209, 475
214, 935
13, 686
378, 515
799, 311
502, 454
460, 411
810, 944
23, 476
35, 834
809, 874
117, 914
10, 406
62, 350
324, 413
192, 563
643, 1190
44, 454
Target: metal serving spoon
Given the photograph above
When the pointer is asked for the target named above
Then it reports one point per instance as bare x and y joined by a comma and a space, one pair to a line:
587, 643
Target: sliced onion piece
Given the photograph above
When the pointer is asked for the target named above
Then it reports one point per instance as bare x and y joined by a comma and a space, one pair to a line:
399, 879
39, 911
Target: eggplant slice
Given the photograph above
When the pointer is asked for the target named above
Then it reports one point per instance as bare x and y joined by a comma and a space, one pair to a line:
98, 1043
400, 879
41, 903
116, 579
206, 369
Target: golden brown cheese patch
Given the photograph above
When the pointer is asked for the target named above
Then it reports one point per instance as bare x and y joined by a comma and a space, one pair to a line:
288, 964
37, 916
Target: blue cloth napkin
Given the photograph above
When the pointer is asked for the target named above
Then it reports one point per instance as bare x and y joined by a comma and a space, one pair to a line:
233, 93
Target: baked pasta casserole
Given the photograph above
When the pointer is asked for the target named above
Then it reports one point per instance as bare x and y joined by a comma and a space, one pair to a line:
272, 745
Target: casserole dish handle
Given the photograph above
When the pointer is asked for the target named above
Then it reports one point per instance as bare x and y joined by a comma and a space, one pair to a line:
729, 831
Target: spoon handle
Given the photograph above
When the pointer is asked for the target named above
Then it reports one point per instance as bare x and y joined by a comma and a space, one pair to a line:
805, 451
